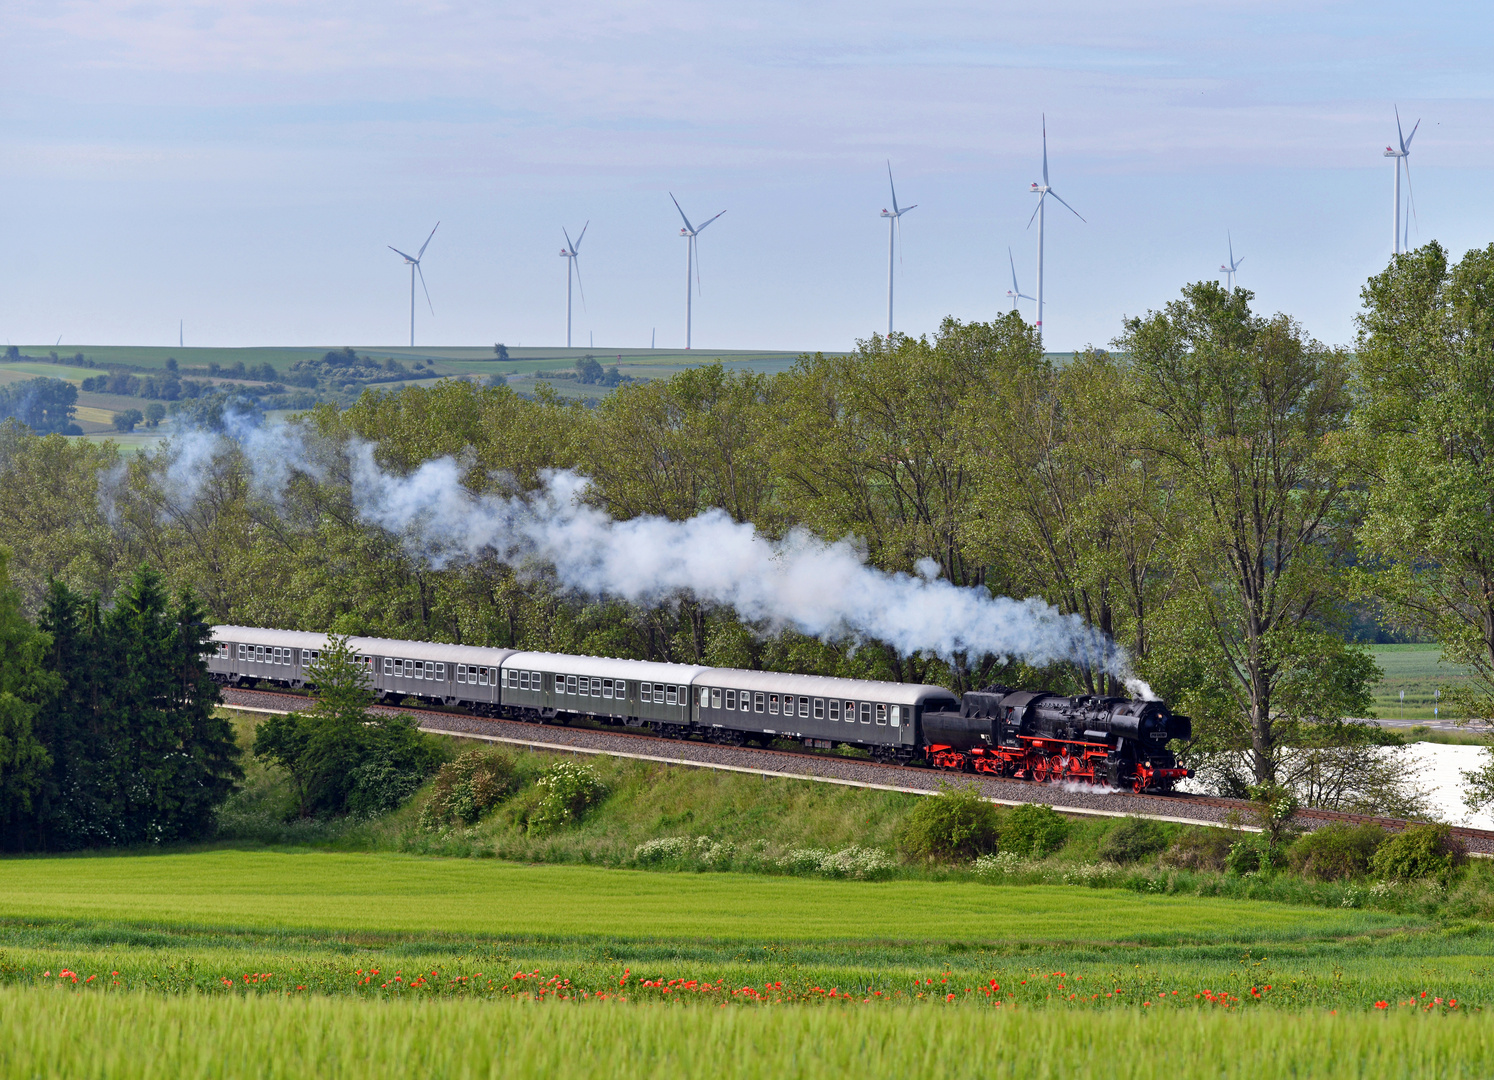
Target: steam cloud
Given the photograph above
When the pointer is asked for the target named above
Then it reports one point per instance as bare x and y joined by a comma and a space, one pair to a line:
819, 588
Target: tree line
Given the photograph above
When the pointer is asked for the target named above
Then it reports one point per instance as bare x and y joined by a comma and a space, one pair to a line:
1218, 491
108, 734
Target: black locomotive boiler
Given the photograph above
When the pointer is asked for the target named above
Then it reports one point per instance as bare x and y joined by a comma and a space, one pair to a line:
1033, 735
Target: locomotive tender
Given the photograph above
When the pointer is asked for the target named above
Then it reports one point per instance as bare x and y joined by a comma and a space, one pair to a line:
1029, 735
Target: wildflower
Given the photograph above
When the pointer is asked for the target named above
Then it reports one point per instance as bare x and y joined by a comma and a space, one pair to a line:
1382, 1004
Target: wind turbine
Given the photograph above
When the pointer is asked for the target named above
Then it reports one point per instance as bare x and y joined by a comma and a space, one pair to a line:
894, 229
1015, 292
414, 263
692, 258
570, 253
1229, 268
1401, 150
1042, 191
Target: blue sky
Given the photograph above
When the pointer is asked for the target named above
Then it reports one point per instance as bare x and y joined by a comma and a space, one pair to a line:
242, 165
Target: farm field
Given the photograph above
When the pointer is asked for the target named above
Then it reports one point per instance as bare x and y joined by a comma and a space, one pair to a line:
397, 894
1419, 671
59, 1033
315, 963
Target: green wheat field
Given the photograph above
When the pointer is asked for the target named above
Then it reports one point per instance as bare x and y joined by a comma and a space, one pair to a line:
281, 963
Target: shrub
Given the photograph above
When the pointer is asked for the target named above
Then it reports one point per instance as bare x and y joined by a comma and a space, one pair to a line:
1200, 849
1132, 840
1253, 853
1000, 865
1336, 851
1418, 852
852, 862
1033, 830
568, 791
954, 824
469, 787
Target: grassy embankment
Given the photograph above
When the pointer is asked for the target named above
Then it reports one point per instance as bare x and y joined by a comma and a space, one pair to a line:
724, 822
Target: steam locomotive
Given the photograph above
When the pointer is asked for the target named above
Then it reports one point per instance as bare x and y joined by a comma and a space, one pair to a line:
1033, 735
1017, 733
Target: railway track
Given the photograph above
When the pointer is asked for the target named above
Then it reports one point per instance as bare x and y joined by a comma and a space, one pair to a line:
1082, 799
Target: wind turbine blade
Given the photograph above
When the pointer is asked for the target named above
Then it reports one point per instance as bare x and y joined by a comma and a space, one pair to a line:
1399, 135
576, 262
905, 209
1231, 247
569, 247
1071, 210
1045, 149
577, 247
703, 224
1235, 264
1017, 289
427, 242
892, 186
676, 202
1035, 210
1406, 147
427, 291
400, 253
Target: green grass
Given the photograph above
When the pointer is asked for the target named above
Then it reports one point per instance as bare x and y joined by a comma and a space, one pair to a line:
1419, 671
135, 1035
271, 890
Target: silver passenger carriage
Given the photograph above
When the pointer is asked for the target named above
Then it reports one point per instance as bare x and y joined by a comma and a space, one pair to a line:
635, 692
464, 675
880, 716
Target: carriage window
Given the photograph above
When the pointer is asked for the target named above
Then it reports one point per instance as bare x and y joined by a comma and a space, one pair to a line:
897, 716
773, 704
866, 712
259, 654
760, 702
819, 708
803, 706
388, 666
731, 700
645, 691
606, 688
523, 680
671, 695
241, 652
715, 698
482, 676
834, 710
461, 673
744, 701
536, 681
441, 672
570, 684
882, 714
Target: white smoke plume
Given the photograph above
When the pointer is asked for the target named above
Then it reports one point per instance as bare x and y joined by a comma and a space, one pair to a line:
823, 589
820, 588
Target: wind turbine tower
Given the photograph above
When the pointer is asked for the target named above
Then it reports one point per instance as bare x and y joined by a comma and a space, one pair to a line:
414, 263
1015, 292
1229, 268
571, 253
1402, 150
1042, 191
894, 231
692, 260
